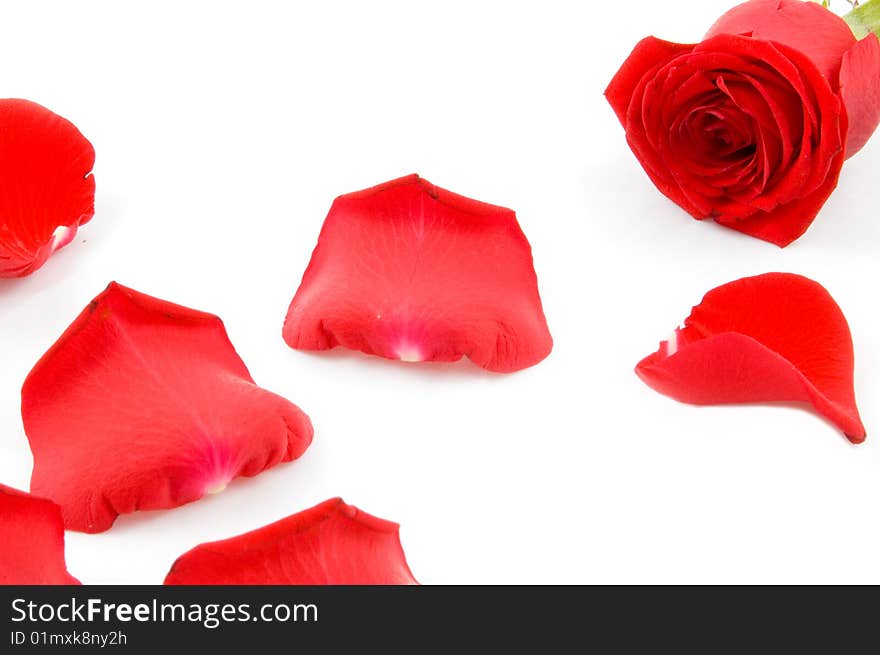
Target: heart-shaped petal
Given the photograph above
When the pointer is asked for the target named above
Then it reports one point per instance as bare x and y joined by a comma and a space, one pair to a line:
772, 337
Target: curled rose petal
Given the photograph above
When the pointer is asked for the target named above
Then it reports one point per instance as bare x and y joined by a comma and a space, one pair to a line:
330, 544
409, 271
47, 190
31, 541
772, 337
142, 404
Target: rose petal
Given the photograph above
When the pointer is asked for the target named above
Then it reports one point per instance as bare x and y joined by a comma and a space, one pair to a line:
647, 57
47, 191
860, 89
805, 26
142, 404
330, 544
773, 337
409, 271
31, 541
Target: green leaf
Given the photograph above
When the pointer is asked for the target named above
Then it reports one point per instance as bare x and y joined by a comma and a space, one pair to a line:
864, 19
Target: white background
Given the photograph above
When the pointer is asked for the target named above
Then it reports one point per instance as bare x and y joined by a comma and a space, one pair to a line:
223, 132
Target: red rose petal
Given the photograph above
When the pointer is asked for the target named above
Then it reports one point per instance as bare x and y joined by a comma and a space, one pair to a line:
632, 73
330, 544
46, 191
773, 337
860, 88
410, 271
31, 541
142, 404
805, 26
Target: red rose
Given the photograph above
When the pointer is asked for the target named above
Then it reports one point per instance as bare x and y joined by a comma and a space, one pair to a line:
750, 127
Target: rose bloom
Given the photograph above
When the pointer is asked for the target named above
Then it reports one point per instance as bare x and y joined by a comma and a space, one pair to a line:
750, 127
